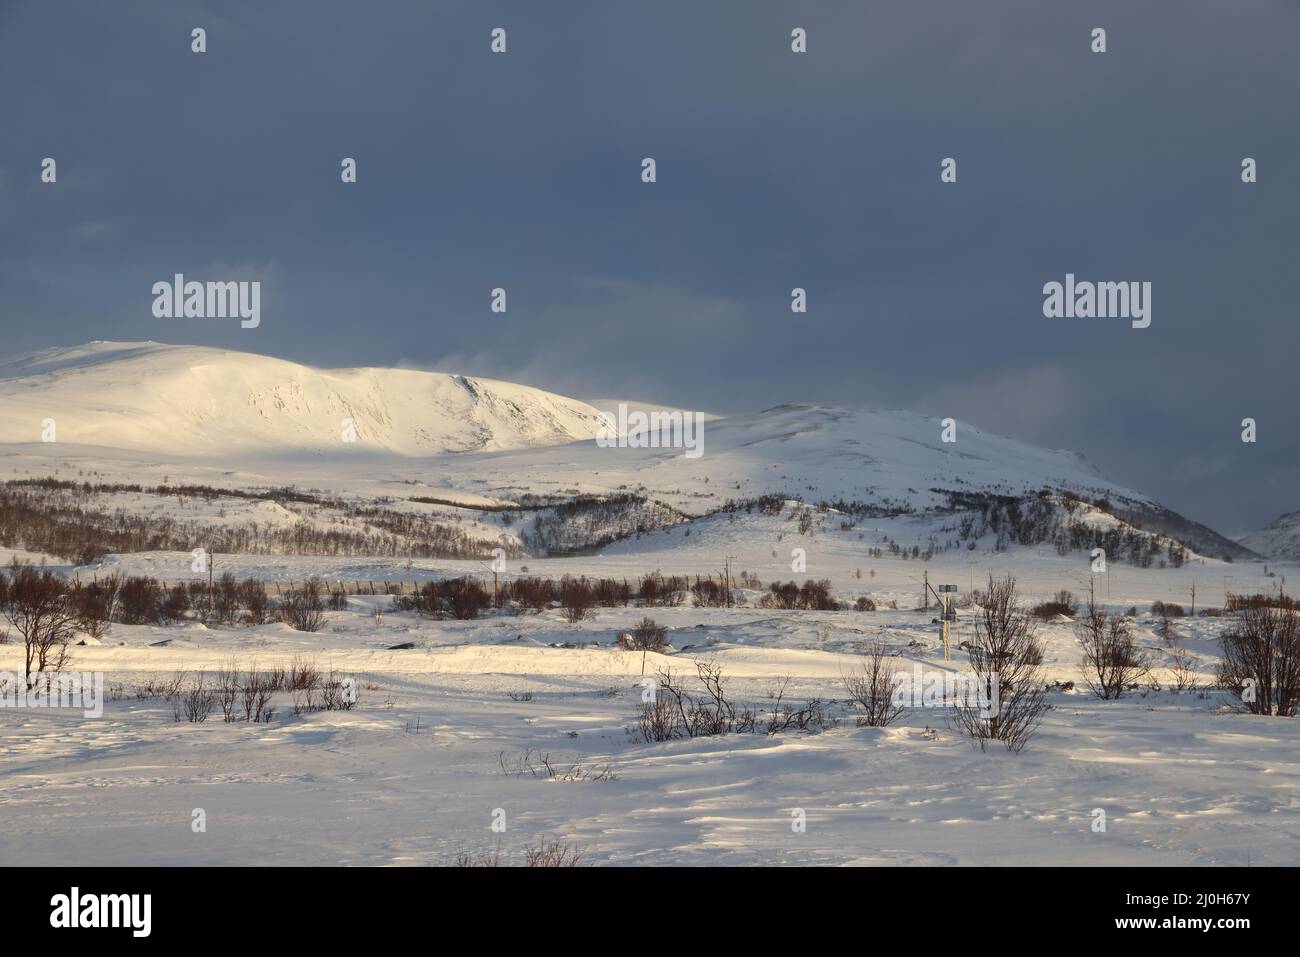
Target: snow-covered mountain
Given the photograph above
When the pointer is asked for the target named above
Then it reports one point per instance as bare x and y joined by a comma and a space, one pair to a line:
895, 460
1280, 540
495, 442
891, 457
197, 401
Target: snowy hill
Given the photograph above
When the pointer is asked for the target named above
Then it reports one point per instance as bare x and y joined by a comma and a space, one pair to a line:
1280, 540
457, 438
197, 401
891, 458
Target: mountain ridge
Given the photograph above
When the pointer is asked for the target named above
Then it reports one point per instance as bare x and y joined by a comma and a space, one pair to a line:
497, 439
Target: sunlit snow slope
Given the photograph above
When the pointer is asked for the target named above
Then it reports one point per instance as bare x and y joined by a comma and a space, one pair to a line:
192, 400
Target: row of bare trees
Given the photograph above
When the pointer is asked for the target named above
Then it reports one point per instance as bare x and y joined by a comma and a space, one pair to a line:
48, 611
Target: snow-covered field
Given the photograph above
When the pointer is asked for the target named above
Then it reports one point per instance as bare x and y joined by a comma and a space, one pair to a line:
420, 769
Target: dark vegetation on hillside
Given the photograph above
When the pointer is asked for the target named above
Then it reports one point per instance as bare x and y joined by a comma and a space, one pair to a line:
73, 521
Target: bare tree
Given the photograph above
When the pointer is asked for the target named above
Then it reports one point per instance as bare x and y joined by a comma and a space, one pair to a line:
40, 608
871, 688
1261, 659
650, 636
1112, 660
1005, 657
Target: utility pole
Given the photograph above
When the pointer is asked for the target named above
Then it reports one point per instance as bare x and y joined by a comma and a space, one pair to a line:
925, 593
212, 560
1193, 599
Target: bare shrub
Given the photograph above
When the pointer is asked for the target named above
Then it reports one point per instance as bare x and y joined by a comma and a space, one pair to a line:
864, 604
95, 603
1063, 604
711, 714
577, 599
227, 690
225, 599
257, 606
659, 719
168, 689
1186, 669
1005, 655
139, 602
466, 598
1259, 600
304, 675
197, 702
461, 598
552, 854
783, 716
338, 693
532, 593
708, 593
811, 596
303, 609
546, 854
256, 696
610, 593
1261, 659
657, 589
539, 765
175, 603
484, 859
675, 712
871, 688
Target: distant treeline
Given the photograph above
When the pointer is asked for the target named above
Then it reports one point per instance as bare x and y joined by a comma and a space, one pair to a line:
60, 518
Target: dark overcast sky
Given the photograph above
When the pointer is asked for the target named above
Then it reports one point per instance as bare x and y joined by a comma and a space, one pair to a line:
775, 170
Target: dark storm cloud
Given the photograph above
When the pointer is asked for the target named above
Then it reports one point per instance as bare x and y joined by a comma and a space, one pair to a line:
775, 170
